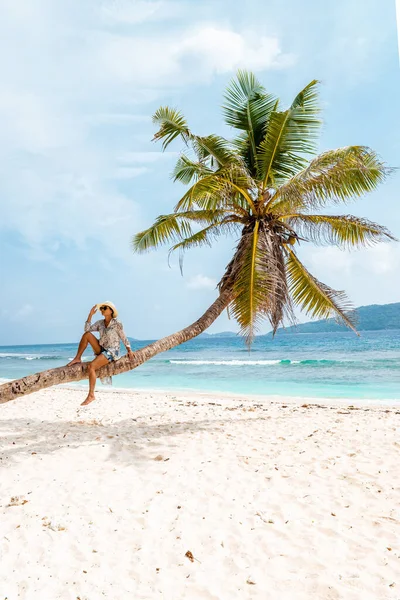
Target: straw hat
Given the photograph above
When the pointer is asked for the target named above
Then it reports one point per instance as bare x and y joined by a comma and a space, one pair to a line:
111, 305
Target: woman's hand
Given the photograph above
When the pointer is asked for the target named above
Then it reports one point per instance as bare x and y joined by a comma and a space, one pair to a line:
92, 311
130, 354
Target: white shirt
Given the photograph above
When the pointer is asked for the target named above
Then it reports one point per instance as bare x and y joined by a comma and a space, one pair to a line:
110, 336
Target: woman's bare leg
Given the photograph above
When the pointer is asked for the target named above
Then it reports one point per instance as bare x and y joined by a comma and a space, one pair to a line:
98, 362
87, 338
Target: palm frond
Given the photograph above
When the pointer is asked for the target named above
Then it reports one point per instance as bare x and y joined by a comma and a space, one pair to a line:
172, 124
290, 135
314, 297
173, 228
243, 148
248, 107
335, 176
187, 170
247, 104
166, 229
229, 185
204, 216
343, 231
214, 148
203, 237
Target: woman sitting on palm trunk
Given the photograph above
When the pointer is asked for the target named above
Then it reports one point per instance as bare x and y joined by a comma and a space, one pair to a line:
107, 348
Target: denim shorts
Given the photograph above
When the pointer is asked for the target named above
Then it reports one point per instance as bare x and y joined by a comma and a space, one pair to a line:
107, 354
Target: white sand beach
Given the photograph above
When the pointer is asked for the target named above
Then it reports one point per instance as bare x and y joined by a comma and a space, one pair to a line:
144, 495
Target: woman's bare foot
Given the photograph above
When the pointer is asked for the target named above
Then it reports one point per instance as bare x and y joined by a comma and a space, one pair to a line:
88, 400
74, 361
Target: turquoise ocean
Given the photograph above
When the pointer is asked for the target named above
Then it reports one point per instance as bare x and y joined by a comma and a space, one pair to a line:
334, 365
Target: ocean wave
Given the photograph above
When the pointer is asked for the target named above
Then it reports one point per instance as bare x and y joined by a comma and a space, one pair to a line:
18, 356
261, 362
230, 363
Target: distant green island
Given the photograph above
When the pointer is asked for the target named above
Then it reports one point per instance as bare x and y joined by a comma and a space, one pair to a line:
374, 317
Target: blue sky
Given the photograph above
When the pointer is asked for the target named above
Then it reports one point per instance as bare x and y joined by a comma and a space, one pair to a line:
79, 174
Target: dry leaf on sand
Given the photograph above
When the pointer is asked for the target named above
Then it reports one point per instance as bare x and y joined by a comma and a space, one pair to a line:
190, 556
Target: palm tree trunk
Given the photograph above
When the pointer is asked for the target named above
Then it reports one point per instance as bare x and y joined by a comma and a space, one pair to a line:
38, 381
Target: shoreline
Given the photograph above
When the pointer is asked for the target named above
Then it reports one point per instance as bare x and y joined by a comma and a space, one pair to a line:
274, 398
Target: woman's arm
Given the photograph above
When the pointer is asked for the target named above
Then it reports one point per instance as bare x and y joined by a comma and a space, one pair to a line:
95, 326
90, 327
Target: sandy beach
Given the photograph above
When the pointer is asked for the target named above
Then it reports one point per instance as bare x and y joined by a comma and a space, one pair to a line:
146, 495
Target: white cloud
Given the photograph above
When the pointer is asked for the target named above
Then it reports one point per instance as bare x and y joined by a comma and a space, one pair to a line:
330, 259
69, 111
384, 258
378, 260
74, 111
223, 50
194, 56
67, 206
201, 282
367, 276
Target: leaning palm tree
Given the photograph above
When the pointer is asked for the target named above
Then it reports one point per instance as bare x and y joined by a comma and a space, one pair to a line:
263, 187
268, 187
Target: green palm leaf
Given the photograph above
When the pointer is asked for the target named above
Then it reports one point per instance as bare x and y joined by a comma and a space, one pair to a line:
165, 229
172, 124
289, 136
335, 176
225, 186
245, 151
314, 297
345, 231
187, 170
203, 237
215, 148
248, 107
173, 228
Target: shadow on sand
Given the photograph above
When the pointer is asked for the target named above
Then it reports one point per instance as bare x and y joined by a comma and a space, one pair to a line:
127, 439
